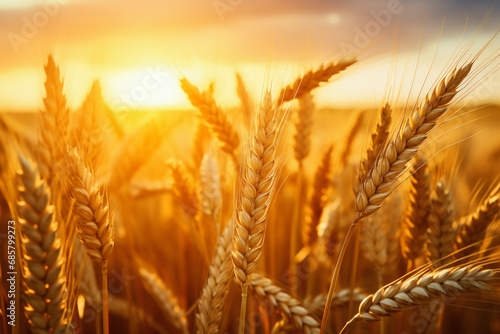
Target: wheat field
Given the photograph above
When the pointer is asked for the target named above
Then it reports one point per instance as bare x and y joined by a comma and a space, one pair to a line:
276, 216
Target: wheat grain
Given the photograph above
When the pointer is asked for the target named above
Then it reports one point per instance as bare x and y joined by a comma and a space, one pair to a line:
44, 289
213, 116
287, 305
313, 79
211, 303
316, 304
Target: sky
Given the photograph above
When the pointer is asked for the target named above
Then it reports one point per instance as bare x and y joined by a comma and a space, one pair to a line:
140, 49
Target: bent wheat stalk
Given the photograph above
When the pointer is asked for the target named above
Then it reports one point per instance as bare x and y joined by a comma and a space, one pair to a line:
165, 299
290, 307
213, 116
313, 79
254, 197
392, 161
422, 289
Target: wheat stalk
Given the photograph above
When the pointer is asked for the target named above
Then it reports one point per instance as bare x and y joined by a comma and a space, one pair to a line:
44, 289
392, 161
473, 227
441, 232
303, 127
391, 164
313, 79
165, 299
318, 199
54, 120
209, 315
213, 116
94, 224
254, 196
378, 138
415, 221
422, 289
290, 307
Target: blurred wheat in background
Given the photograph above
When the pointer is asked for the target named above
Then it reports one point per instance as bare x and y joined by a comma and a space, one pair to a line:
276, 215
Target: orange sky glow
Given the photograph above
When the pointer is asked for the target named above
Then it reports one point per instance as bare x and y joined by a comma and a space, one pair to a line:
140, 49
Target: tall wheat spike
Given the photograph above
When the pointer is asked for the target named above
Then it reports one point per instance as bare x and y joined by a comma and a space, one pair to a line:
183, 187
213, 116
44, 284
313, 79
94, 224
254, 197
211, 303
54, 120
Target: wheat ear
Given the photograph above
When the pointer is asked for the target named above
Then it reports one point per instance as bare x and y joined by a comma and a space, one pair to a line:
254, 197
378, 138
290, 307
211, 303
392, 161
165, 299
209, 190
415, 221
245, 101
44, 289
318, 199
54, 120
303, 127
473, 227
422, 289
213, 116
313, 79
183, 187
441, 232
94, 224
134, 151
